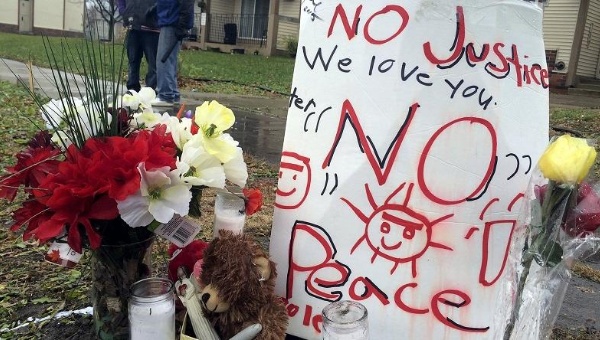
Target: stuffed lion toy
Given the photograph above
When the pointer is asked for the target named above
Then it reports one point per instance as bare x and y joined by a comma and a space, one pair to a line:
238, 283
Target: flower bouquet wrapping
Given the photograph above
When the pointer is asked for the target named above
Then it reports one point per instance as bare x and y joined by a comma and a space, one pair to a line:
557, 227
108, 173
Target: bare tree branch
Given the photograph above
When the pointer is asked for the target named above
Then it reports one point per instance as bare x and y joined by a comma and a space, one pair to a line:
106, 10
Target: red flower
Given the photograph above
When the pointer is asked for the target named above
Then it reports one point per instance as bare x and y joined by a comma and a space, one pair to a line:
254, 200
76, 195
584, 219
33, 165
68, 196
41, 139
30, 215
160, 147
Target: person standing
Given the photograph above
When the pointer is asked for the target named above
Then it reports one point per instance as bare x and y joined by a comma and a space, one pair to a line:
142, 39
175, 18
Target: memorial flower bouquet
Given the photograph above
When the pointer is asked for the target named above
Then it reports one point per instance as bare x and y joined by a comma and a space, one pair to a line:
559, 226
99, 162
107, 173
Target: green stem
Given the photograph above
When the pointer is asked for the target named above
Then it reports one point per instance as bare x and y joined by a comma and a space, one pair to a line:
557, 202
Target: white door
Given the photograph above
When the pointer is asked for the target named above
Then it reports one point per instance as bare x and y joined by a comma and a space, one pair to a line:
26, 16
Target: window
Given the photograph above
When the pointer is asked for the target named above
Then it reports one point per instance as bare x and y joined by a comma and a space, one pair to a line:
254, 19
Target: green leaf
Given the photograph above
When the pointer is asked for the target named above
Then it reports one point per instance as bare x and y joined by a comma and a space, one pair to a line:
546, 253
44, 299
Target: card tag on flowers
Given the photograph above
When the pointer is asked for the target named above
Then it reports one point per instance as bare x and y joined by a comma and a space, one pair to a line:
62, 254
180, 230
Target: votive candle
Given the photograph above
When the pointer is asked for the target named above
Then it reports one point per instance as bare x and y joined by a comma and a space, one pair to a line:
345, 320
152, 310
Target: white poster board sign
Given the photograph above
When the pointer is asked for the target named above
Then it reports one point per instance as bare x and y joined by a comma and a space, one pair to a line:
411, 133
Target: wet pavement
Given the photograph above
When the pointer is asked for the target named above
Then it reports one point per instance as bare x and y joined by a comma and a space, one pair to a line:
259, 135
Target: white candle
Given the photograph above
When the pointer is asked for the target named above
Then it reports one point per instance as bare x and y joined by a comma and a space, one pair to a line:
152, 310
153, 321
233, 222
229, 213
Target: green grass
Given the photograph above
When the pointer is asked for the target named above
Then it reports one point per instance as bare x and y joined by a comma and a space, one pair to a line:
585, 122
20, 121
218, 72
576, 113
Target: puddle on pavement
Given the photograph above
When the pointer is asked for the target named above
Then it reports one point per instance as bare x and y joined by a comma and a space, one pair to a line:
261, 136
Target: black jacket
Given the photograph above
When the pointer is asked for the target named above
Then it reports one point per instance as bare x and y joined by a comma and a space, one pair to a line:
138, 13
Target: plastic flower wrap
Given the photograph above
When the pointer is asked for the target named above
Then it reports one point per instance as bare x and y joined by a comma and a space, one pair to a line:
557, 226
118, 159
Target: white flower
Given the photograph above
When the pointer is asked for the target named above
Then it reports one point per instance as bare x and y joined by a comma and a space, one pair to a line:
147, 95
84, 121
162, 194
149, 119
139, 100
181, 131
131, 99
198, 167
91, 119
62, 139
236, 170
53, 112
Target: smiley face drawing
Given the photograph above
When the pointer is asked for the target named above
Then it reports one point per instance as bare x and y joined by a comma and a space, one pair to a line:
396, 232
294, 180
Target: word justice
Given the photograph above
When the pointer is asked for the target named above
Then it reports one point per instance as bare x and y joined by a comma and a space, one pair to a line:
498, 62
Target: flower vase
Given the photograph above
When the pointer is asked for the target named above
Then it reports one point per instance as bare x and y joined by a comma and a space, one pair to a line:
119, 262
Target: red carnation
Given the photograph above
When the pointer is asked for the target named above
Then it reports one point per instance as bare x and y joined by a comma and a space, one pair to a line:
254, 200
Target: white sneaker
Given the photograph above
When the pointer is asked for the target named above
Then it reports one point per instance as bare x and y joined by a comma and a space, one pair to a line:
159, 102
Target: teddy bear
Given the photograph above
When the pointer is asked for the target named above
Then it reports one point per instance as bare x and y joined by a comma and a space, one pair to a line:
238, 288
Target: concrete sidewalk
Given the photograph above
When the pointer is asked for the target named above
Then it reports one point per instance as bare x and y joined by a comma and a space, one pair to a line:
44, 83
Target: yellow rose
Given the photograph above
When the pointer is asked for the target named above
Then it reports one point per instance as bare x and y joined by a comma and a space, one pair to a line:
567, 160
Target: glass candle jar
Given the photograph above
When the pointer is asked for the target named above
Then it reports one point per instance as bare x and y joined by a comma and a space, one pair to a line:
152, 310
230, 213
345, 320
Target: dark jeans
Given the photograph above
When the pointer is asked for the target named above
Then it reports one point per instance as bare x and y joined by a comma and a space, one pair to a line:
141, 43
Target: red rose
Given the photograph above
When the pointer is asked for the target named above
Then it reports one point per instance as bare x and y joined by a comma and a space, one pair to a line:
584, 219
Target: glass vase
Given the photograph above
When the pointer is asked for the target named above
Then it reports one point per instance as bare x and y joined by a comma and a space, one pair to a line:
119, 262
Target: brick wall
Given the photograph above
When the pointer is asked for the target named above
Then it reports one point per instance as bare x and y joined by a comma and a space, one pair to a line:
56, 33
40, 31
9, 28
551, 58
557, 80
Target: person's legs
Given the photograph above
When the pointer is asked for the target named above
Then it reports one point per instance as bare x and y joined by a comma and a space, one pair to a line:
134, 56
166, 65
150, 42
